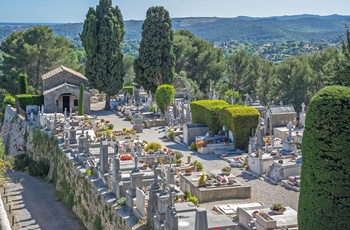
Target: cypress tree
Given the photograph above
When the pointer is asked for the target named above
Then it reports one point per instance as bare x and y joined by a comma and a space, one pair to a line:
102, 34
324, 201
81, 100
156, 63
22, 83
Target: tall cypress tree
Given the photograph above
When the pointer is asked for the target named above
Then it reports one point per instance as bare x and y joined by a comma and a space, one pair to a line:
156, 63
324, 200
81, 100
102, 35
22, 83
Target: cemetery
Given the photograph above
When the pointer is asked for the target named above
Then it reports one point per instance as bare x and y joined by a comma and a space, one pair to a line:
161, 188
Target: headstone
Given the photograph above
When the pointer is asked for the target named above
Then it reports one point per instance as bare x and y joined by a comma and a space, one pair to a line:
163, 201
140, 203
72, 135
153, 198
82, 142
104, 157
137, 123
201, 221
171, 175
171, 218
138, 149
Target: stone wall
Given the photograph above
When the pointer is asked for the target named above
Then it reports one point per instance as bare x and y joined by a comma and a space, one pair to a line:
87, 196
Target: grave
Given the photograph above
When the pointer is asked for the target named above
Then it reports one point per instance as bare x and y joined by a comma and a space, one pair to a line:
190, 131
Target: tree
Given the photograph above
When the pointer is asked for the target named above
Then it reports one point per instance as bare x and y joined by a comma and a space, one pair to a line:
81, 100
129, 70
102, 34
198, 58
324, 200
156, 62
34, 52
164, 97
22, 83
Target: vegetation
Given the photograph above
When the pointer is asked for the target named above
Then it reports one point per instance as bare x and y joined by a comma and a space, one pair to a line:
206, 113
34, 52
130, 89
325, 187
156, 61
164, 96
39, 168
5, 163
121, 201
155, 146
22, 83
21, 162
101, 37
81, 100
28, 99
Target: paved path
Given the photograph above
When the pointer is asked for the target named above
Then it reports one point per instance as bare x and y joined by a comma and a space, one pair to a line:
35, 205
262, 191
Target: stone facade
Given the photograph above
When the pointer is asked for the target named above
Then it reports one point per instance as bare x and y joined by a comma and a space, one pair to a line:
279, 116
61, 90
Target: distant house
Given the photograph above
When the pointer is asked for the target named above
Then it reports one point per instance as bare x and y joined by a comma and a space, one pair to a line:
61, 90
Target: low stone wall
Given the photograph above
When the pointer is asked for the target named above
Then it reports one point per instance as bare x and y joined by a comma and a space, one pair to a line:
154, 123
89, 199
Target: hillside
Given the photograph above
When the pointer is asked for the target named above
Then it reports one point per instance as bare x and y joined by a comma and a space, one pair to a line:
279, 28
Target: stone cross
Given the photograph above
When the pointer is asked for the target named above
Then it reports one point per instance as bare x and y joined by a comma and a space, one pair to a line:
164, 186
136, 163
172, 195
303, 107
155, 166
82, 132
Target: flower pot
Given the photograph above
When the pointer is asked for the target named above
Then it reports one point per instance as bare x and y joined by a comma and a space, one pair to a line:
278, 212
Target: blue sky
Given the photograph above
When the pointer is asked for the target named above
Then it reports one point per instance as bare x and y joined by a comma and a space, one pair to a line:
56, 11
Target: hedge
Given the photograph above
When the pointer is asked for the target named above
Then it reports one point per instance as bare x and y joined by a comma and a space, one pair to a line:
242, 121
29, 99
324, 201
206, 113
130, 89
22, 83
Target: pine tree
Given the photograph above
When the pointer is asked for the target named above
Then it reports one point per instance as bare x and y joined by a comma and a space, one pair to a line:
156, 63
102, 35
81, 100
22, 83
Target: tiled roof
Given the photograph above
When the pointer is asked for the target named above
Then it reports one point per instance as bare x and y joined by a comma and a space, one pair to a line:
60, 86
61, 69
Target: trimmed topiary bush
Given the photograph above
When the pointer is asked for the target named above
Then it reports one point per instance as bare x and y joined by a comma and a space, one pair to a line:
324, 201
206, 112
22, 83
81, 100
130, 89
242, 121
164, 96
29, 99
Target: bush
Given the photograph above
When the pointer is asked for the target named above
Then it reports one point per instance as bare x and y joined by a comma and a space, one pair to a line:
152, 109
164, 96
242, 121
206, 112
29, 99
22, 83
121, 201
9, 100
199, 166
178, 155
194, 200
39, 168
130, 89
155, 146
193, 147
170, 134
110, 126
324, 201
21, 162
88, 172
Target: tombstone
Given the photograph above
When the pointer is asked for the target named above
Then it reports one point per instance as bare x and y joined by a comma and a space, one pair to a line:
82, 142
278, 152
201, 221
163, 201
138, 149
137, 123
72, 135
87, 150
250, 149
140, 210
153, 198
170, 175
171, 218
266, 147
115, 175
135, 182
104, 157
31, 116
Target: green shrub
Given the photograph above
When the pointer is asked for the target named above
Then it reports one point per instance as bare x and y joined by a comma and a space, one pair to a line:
199, 166
170, 134
9, 99
21, 162
22, 83
206, 112
194, 200
130, 89
121, 201
155, 146
178, 155
152, 109
324, 201
39, 168
88, 172
164, 96
187, 194
193, 147
242, 121
81, 100
29, 99
202, 179
110, 126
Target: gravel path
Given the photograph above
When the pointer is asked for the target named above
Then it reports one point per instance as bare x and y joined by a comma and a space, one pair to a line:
35, 205
262, 191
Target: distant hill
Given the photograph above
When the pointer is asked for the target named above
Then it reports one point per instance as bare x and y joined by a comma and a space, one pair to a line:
279, 28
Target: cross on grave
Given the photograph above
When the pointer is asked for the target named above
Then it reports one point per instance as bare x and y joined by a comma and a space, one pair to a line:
172, 195
136, 169
164, 186
289, 126
82, 131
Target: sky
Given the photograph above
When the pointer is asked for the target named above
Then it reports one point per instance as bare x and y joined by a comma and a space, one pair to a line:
65, 11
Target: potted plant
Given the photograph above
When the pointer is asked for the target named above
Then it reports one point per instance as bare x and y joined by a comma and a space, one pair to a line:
277, 208
178, 162
226, 170
188, 171
201, 181
199, 166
